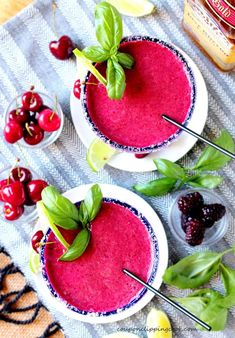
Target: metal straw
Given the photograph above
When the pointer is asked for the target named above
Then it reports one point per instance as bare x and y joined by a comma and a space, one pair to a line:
168, 300
191, 132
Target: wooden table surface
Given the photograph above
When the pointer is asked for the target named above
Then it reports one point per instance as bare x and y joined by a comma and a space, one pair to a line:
9, 8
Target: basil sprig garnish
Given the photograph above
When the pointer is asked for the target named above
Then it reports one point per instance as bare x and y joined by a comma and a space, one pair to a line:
198, 177
109, 31
194, 271
61, 212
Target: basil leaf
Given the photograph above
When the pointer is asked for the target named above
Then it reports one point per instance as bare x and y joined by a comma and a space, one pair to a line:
83, 214
193, 271
194, 304
64, 222
58, 204
126, 60
96, 53
212, 159
108, 23
169, 169
206, 181
116, 80
228, 277
205, 304
157, 187
78, 246
214, 314
91, 204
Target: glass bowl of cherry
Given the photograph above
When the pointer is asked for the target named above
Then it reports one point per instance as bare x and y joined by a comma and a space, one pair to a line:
33, 119
20, 190
198, 217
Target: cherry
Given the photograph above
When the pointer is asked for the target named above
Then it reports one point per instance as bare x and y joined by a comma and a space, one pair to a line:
12, 212
141, 155
19, 115
21, 174
14, 193
36, 239
13, 132
2, 184
63, 48
34, 190
77, 89
49, 120
31, 101
33, 134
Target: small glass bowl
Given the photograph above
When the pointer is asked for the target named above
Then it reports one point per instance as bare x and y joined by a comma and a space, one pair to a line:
49, 138
213, 234
30, 212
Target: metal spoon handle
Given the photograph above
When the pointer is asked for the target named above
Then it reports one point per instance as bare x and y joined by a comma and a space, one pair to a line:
191, 132
168, 300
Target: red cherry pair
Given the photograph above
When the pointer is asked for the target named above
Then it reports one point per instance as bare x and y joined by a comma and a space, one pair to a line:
31, 120
19, 190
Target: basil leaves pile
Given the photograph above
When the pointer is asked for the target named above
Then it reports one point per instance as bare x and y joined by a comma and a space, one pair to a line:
176, 176
109, 31
57, 210
194, 271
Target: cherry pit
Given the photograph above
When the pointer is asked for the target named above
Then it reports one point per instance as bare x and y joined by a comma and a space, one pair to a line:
31, 119
18, 191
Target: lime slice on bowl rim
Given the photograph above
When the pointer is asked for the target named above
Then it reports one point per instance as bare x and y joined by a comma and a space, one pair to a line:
135, 8
98, 154
34, 262
159, 324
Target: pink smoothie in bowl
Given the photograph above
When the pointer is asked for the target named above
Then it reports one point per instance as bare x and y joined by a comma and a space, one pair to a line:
161, 82
94, 283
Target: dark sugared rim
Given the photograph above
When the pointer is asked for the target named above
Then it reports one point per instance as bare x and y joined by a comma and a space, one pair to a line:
139, 295
159, 145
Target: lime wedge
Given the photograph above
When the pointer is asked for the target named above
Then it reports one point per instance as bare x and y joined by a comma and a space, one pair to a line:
158, 324
34, 262
133, 7
98, 154
121, 335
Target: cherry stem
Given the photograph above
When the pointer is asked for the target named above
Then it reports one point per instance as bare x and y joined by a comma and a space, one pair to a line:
52, 115
27, 128
17, 107
8, 179
90, 83
32, 88
54, 8
40, 244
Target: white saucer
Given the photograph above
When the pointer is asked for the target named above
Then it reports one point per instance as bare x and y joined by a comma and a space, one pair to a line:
146, 210
176, 150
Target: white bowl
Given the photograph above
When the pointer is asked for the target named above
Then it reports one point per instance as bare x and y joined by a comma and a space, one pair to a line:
157, 232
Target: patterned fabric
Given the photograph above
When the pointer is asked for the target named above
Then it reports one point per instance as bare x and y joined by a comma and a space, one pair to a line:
25, 60
22, 314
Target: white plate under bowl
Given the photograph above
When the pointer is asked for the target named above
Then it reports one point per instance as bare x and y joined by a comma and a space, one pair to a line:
173, 152
146, 210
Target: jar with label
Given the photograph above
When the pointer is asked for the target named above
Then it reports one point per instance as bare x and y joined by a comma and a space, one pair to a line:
211, 23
